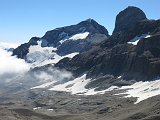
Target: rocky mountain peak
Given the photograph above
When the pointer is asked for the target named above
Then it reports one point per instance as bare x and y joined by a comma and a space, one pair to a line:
128, 18
54, 36
90, 20
69, 39
94, 27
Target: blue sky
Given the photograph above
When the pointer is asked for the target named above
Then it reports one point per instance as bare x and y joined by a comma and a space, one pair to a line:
22, 19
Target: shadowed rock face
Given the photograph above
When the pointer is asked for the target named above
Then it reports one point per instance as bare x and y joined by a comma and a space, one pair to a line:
129, 23
141, 62
116, 57
128, 18
142, 27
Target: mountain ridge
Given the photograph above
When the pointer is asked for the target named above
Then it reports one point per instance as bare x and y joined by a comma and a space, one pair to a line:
112, 54
117, 57
54, 37
80, 72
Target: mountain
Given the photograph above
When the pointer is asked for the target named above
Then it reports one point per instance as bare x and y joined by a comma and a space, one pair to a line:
81, 72
119, 55
130, 54
69, 39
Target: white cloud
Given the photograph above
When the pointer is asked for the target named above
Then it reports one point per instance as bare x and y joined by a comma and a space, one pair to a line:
52, 74
11, 65
14, 69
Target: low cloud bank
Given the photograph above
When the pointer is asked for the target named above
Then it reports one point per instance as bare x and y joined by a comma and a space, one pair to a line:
52, 74
10, 66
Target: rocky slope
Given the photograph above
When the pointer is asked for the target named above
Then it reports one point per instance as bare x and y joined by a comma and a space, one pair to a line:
117, 56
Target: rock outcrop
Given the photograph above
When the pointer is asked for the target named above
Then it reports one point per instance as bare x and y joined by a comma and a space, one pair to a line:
128, 18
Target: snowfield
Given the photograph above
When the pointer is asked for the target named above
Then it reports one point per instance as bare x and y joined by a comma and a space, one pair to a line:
40, 56
80, 36
135, 40
76, 86
142, 90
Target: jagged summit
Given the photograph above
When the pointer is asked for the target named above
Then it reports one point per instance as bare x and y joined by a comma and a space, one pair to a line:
128, 17
89, 20
93, 23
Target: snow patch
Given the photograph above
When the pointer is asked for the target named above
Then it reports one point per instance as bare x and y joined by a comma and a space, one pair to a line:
141, 90
77, 86
36, 108
53, 60
112, 88
50, 109
80, 36
63, 40
40, 56
119, 77
135, 40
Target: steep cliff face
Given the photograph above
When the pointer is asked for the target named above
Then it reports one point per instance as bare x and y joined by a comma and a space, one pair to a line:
132, 51
128, 18
129, 23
